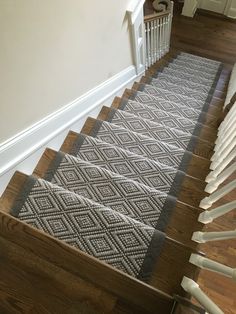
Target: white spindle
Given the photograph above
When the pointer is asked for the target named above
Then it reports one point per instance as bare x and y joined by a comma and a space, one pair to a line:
163, 36
192, 288
203, 237
152, 43
215, 196
221, 166
158, 40
209, 215
225, 146
170, 23
165, 33
155, 40
228, 137
219, 157
206, 263
227, 127
213, 185
227, 120
148, 44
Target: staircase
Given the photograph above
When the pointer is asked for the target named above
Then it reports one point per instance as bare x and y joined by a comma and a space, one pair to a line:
105, 224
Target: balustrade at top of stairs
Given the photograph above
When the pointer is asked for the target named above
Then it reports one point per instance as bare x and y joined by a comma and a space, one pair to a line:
107, 221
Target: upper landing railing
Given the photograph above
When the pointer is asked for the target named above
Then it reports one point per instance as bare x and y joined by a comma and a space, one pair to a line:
157, 35
150, 34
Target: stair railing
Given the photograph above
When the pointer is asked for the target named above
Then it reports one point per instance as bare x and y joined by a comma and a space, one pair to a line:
157, 35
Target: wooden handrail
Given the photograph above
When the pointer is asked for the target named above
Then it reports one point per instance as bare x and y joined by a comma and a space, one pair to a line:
152, 17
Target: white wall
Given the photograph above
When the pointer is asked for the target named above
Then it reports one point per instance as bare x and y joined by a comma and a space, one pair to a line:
230, 9
53, 51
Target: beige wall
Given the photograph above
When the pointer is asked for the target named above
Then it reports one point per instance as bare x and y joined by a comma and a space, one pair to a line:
53, 51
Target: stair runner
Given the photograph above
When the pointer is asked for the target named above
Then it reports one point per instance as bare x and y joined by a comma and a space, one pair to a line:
113, 190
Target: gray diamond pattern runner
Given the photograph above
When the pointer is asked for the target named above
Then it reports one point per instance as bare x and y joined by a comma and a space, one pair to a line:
139, 144
97, 230
169, 106
126, 196
152, 129
172, 96
140, 169
165, 118
181, 82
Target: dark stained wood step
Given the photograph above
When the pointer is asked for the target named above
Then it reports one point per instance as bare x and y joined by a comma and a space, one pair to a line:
202, 148
206, 133
197, 167
167, 274
176, 228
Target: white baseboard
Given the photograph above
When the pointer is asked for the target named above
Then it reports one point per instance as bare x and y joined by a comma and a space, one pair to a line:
22, 151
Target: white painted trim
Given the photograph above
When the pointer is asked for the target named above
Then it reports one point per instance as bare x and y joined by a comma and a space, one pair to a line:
190, 7
51, 130
134, 9
136, 21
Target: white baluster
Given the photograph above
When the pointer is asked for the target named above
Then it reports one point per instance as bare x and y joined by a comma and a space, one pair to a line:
159, 44
221, 166
223, 137
218, 157
213, 185
227, 138
215, 196
148, 44
209, 215
192, 287
160, 32
227, 120
203, 237
152, 44
170, 23
155, 40
163, 37
206, 263
165, 31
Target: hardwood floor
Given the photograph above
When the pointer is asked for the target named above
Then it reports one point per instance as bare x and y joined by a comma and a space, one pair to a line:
206, 34
215, 37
